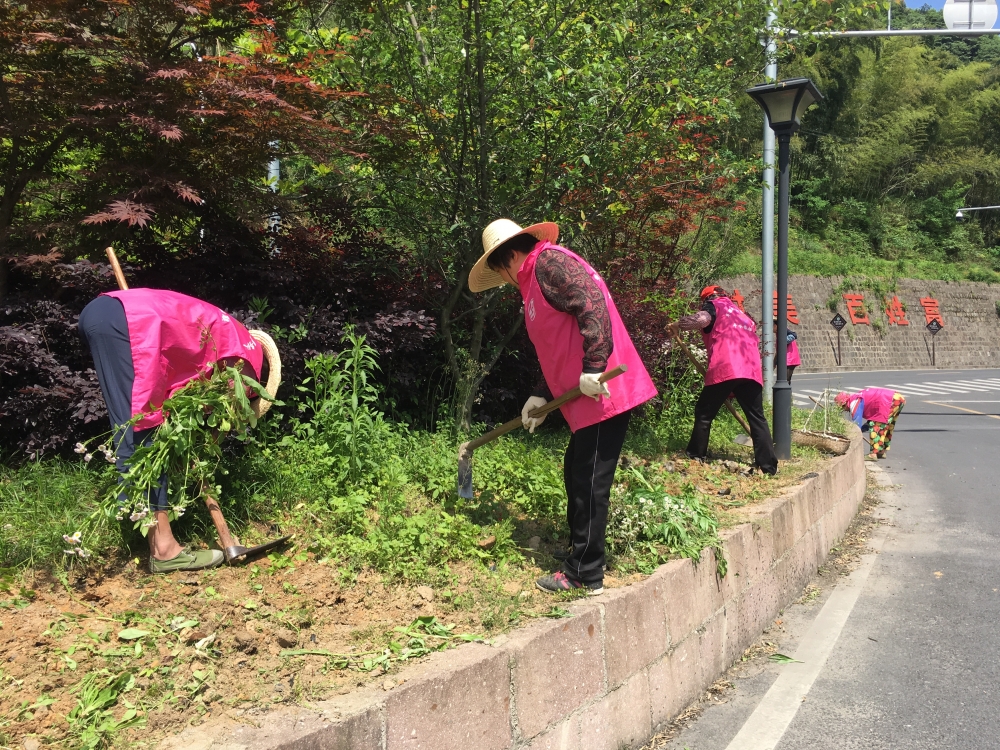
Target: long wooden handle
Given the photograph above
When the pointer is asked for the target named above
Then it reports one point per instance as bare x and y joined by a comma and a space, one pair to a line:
541, 411
221, 527
119, 276
701, 369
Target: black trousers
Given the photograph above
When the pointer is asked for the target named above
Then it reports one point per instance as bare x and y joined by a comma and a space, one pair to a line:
749, 395
588, 470
104, 331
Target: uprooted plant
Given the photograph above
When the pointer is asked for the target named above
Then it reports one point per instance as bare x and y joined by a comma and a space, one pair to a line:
186, 446
646, 525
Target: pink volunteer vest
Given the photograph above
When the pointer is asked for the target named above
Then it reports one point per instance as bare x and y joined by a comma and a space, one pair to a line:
176, 338
878, 403
793, 354
559, 345
732, 345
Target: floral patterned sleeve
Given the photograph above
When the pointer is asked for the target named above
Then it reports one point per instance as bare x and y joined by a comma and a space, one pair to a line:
568, 287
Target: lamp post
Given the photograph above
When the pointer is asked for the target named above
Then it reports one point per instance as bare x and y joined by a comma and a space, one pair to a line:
783, 103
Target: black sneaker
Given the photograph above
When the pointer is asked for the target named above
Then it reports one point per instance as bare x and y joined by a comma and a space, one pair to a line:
561, 582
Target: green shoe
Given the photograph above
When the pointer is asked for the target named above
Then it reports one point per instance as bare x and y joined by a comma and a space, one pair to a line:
200, 560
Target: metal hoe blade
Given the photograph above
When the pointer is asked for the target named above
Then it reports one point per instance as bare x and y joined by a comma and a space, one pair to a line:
237, 551
464, 472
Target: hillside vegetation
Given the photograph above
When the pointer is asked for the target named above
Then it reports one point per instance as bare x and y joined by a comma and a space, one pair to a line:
905, 135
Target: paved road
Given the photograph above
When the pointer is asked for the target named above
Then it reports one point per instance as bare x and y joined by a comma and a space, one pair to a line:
916, 664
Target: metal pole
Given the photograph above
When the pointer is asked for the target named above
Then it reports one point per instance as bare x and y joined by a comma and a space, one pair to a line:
767, 224
793, 34
782, 414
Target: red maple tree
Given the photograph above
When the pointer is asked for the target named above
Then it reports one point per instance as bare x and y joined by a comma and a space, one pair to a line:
125, 115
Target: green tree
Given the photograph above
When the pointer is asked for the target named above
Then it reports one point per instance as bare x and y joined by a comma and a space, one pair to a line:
510, 107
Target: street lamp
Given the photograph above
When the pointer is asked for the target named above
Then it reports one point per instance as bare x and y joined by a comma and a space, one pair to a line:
784, 103
960, 216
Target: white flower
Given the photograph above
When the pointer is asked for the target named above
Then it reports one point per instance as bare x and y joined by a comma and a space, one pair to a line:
75, 539
87, 458
80, 448
139, 515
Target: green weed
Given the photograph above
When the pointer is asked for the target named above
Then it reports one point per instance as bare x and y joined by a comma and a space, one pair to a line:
92, 721
646, 525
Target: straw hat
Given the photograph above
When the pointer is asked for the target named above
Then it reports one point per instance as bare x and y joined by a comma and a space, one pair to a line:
260, 405
482, 277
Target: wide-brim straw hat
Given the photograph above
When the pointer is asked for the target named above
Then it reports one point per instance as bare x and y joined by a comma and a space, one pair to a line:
261, 405
482, 277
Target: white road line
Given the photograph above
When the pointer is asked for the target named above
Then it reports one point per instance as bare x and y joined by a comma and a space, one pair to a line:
767, 724
817, 393
981, 384
959, 384
909, 390
936, 388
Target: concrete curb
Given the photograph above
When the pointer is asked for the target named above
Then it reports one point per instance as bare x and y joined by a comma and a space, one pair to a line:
608, 677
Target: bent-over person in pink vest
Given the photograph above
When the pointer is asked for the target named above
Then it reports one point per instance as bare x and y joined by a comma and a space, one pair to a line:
730, 337
578, 334
146, 345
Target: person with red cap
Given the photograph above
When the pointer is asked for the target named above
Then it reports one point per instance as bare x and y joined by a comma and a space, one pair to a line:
734, 368
578, 335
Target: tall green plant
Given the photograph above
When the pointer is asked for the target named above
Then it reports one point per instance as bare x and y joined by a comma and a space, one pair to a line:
339, 398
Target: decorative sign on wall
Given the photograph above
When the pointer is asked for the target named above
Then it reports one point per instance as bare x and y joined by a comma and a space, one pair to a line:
934, 327
838, 322
738, 299
895, 312
856, 309
793, 314
932, 310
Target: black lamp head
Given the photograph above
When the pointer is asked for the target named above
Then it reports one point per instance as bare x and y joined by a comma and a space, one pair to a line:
785, 102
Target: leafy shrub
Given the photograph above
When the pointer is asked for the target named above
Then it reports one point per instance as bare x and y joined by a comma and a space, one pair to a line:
646, 525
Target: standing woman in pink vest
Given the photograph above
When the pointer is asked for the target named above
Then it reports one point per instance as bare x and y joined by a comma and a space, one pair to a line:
792, 357
146, 345
730, 337
578, 334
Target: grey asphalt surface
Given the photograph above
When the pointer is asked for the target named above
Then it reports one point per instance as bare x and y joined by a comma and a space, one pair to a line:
918, 663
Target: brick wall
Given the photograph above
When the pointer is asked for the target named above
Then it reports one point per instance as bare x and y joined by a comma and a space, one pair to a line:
970, 337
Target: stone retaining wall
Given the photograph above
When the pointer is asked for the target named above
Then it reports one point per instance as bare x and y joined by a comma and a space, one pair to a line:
970, 337
621, 667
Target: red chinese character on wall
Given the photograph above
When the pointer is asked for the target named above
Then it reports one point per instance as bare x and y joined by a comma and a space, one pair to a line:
738, 299
895, 312
932, 310
793, 314
856, 309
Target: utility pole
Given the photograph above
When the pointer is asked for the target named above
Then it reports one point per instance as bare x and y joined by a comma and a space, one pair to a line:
767, 221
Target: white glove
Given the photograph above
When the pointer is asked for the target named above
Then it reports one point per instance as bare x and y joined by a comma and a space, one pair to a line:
530, 423
590, 385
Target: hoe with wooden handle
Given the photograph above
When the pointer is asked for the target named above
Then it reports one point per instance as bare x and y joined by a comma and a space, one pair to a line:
231, 546
465, 449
